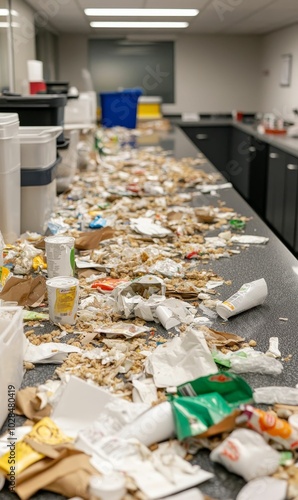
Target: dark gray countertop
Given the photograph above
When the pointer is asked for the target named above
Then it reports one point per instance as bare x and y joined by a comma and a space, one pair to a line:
280, 270
283, 142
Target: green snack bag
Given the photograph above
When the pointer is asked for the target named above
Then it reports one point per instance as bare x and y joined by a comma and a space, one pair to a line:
194, 416
34, 316
232, 388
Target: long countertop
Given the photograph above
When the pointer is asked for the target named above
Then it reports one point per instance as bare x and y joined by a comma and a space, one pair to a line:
272, 262
283, 142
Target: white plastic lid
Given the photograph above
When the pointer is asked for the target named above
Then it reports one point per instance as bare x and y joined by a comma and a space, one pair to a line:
7, 120
59, 239
108, 487
38, 134
62, 282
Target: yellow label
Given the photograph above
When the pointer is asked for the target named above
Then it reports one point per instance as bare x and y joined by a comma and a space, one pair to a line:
21, 455
65, 300
229, 305
47, 432
38, 262
4, 272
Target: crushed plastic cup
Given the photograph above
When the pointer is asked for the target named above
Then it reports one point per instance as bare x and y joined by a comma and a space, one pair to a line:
249, 295
247, 454
167, 317
107, 487
60, 255
63, 298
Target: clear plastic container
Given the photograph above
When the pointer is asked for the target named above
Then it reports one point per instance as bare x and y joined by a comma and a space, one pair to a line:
38, 146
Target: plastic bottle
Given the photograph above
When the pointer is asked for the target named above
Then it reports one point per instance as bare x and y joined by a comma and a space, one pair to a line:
249, 295
107, 487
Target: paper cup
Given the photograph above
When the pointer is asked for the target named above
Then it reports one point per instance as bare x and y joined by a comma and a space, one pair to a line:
63, 298
60, 255
166, 317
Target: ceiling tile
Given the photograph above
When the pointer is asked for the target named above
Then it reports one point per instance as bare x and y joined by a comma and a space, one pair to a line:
215, 17
111, 4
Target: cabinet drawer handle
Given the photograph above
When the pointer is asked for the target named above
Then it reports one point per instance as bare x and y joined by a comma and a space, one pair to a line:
291, 166
252, 149
202, 137
274, 155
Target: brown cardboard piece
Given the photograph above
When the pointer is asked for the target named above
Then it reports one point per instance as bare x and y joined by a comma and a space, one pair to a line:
220, 339
91, 239
68, 474
228, 424
25, 291
27, 403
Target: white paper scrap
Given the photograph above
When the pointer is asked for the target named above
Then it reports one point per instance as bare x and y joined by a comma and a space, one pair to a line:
79, 406
146, 226
264, 487
273, 350
51, 352
246, 239
207, 188
128, 330
144, 391
157, 475
193, 494
181, 360
274, 394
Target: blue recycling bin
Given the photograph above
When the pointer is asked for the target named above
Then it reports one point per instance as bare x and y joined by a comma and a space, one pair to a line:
119, 108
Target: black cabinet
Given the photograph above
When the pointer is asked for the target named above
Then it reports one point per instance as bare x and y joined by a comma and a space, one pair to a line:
291, 197
276, 188
282, 199
214, 142
239, 163
248, 168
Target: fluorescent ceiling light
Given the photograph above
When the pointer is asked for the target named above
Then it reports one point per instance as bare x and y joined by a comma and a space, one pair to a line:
137, 24
142, 12
6, 25
5, 12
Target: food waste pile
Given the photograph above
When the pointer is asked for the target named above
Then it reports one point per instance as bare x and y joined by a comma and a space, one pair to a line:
142, 381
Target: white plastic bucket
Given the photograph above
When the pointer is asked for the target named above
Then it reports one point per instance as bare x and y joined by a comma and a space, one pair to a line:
60, 255
63, 298
37, 204
9, 142
10, 204
38, 146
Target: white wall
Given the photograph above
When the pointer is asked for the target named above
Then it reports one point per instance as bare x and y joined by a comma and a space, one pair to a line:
23, 41
275, 98
216, 73
73, 57
212, 73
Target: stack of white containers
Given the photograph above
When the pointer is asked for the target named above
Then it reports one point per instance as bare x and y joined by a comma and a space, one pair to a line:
10, 190
12, 349
38, 176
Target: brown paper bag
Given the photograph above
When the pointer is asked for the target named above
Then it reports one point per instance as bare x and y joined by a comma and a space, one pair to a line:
25, 291
91, 239
27, 403
67, 474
